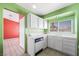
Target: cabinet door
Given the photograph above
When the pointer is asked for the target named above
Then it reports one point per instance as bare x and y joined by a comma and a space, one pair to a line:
55, 42
58, 43
30, 46
45, 41
51, 42
34, 22
40, 22
45, 24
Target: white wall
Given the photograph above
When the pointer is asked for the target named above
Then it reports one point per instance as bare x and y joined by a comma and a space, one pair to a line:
22, 32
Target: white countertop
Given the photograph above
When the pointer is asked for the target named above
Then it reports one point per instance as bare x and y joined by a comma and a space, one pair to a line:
53, 34
63, 35
37, 35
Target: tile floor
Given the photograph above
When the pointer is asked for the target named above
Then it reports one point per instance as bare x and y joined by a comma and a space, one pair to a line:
12, 48
48, 52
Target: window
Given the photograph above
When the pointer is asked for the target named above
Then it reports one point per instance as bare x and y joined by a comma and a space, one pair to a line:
64, 26
54, 26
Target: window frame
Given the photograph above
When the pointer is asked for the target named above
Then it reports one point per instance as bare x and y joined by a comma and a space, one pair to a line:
59, 25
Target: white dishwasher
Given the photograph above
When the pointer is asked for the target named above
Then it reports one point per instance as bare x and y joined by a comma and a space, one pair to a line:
39, 42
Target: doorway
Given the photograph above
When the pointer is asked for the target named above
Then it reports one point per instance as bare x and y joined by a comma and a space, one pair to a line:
13, 43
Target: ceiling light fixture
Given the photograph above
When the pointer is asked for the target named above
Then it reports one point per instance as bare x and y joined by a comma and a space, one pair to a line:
34, 6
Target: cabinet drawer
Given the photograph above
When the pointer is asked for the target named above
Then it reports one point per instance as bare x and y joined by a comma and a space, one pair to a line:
68, 47
69, 50
69, 44
69, 40
10, 15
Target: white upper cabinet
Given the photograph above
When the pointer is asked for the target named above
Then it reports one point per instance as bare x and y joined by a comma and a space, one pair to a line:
32, 21
45, 24
40, 23
10, 15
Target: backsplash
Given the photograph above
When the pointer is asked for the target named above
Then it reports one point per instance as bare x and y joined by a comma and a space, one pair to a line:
34, 31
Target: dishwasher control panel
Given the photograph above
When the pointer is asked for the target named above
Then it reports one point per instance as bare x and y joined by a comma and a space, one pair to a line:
38, 39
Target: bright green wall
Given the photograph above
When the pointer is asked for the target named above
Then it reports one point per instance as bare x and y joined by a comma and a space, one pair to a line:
72, 7
1, 41
77, 15
60, 19
75, 9
12, 7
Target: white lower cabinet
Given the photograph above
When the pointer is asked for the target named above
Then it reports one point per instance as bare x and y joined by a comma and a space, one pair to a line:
31, 46
63, 44
55, 42
69, 46
45, 42
58, 44
51, 42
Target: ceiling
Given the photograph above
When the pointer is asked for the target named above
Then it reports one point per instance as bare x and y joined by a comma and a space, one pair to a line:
43, 8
